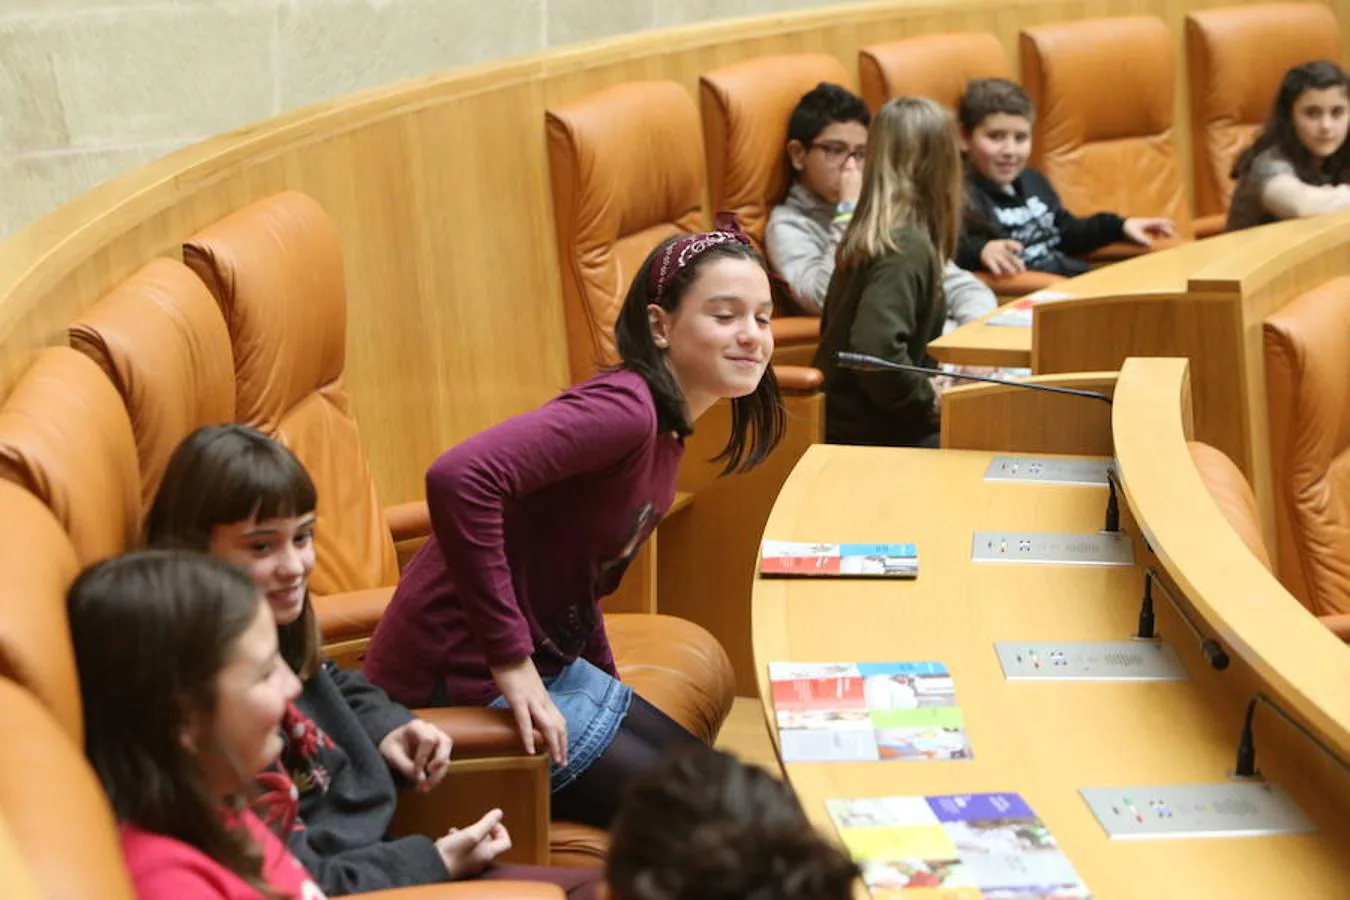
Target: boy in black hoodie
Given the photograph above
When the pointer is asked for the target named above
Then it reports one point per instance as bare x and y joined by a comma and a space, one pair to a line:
1014, 220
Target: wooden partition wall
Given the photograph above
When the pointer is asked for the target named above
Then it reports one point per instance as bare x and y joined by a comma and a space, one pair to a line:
439, 188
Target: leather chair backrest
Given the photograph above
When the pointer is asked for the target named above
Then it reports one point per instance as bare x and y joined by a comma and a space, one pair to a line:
1103, 91
1233, 495
37, 567
626, 165
161, 339
275, 267
745, 108
936, 66
1236, 58
66, 439
1307, 348
16, 882
55, 808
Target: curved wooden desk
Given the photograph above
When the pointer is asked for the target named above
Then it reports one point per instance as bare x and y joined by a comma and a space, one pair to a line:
1042, 740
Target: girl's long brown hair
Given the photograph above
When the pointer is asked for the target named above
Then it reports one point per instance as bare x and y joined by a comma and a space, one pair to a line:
151, 633
911, 177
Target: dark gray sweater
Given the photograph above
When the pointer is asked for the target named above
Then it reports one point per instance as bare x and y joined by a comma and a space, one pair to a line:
348, 793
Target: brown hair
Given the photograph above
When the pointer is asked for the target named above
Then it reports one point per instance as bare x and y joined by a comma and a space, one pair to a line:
911, 177
222, 474
703, 825
151, 632
985, 97
1280, 133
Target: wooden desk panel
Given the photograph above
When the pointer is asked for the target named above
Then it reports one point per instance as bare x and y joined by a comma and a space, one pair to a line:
1042, 740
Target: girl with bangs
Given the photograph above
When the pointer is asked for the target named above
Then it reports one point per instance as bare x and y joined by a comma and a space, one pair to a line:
245, 499
886, 297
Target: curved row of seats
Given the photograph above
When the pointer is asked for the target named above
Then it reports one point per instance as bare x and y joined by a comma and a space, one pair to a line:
1103, 135
253, 329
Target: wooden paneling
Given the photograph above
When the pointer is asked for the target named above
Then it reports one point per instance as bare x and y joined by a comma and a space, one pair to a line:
1016, 420
439, 190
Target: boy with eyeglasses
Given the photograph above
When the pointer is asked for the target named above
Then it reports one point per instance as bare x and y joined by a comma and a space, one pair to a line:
827, 142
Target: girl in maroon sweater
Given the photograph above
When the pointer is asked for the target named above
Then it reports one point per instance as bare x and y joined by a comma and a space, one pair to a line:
535, 520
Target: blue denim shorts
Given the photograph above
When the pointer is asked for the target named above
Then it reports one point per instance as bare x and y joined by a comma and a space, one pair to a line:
594, 704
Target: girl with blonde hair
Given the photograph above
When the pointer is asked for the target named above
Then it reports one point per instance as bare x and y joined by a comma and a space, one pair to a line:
886, 297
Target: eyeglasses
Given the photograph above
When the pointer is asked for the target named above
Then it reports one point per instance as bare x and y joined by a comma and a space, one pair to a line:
837, 153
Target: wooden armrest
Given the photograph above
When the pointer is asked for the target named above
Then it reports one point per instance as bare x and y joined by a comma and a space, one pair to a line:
1339, 625
478, 731
352, 615
408, 520
1129, 250
1018, 285
799, 379
473, 890
1208, 226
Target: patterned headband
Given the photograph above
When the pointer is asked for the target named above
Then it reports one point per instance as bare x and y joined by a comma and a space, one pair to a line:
682, 253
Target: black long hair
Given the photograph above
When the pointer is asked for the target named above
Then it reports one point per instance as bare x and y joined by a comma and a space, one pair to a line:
222, 474
1279, 131
757, 419
151, 632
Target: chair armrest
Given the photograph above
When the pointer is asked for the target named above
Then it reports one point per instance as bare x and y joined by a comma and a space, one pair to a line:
1339, 625
799, 379
1208, 226
1129, 250
350, 615
408, 520
478, 731
1018, 285
473, 890
789, 331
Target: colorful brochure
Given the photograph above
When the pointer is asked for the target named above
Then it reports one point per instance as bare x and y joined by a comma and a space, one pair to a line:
844, 560
867, 712
955, 847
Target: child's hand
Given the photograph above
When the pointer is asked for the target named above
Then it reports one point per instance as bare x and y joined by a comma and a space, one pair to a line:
469, 850
850, 184
1003, 257
419, 751
1143, 231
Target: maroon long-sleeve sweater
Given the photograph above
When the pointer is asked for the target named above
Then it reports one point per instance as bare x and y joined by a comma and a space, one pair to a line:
533, 521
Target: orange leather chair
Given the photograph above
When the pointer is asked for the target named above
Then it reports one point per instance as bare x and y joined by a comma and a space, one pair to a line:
1103, 91
745, 109
614, 200
66, 439
1236, 58
938, 66
1307, 350
1233, 495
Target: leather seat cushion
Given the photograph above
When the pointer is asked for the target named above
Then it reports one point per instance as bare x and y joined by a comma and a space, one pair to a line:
576, 846
677, 667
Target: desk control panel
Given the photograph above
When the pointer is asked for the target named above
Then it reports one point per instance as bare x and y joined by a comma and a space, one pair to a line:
1098, 661
1045, 470
1237, 809
1100, 548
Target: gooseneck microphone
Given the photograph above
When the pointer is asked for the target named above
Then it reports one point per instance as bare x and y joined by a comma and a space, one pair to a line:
867, 363
1245, 764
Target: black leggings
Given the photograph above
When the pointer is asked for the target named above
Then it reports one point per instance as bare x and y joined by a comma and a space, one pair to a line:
644, 736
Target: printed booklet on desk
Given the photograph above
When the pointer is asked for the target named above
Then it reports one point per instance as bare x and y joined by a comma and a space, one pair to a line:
844, 560
867, 712
954, 847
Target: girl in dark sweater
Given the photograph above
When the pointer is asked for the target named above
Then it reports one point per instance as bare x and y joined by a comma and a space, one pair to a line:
886, 296
244, 498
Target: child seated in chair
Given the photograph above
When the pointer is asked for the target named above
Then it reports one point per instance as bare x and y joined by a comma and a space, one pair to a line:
1299, 164
827, 136
1014, 220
